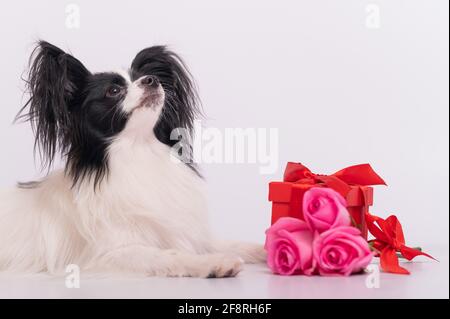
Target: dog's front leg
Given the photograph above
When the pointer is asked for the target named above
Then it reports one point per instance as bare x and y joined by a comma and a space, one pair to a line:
151, 261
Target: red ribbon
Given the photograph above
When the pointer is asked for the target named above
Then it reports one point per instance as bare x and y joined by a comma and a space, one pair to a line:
361, 175
389, 240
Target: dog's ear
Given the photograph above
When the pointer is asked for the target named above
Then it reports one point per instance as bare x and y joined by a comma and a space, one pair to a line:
54, 84
181, 103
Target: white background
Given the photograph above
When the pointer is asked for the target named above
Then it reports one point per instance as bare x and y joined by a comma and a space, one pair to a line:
340, 93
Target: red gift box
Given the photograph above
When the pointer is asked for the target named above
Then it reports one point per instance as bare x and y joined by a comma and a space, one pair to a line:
351, 182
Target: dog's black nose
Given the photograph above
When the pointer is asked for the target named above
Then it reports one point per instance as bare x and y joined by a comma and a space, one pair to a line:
150, 80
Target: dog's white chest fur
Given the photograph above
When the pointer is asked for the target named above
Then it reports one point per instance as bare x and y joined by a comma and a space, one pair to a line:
149, 195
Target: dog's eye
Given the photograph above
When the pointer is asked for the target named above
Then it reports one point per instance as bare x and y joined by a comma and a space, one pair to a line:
113, 91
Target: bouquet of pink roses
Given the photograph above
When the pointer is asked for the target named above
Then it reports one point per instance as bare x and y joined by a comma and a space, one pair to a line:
326, 241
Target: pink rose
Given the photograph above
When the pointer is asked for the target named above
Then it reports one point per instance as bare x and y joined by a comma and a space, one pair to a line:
289, 247
341, 251
324, 208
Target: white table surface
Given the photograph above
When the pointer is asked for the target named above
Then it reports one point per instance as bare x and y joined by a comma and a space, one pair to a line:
428, 279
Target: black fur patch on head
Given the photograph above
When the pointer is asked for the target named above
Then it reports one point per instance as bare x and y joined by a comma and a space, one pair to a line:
70, 113
95, 121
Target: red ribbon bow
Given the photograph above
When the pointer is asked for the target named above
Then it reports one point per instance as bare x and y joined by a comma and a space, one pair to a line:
389, 240
362, 175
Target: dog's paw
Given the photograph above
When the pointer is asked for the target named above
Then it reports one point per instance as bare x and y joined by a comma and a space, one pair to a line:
225, 267
220, 266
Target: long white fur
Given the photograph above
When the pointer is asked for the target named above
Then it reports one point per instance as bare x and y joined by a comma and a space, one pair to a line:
148, 217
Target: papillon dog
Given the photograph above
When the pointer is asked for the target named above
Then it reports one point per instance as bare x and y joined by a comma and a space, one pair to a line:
121, 203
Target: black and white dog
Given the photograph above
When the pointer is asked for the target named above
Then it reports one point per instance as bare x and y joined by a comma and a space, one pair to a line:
121, 204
